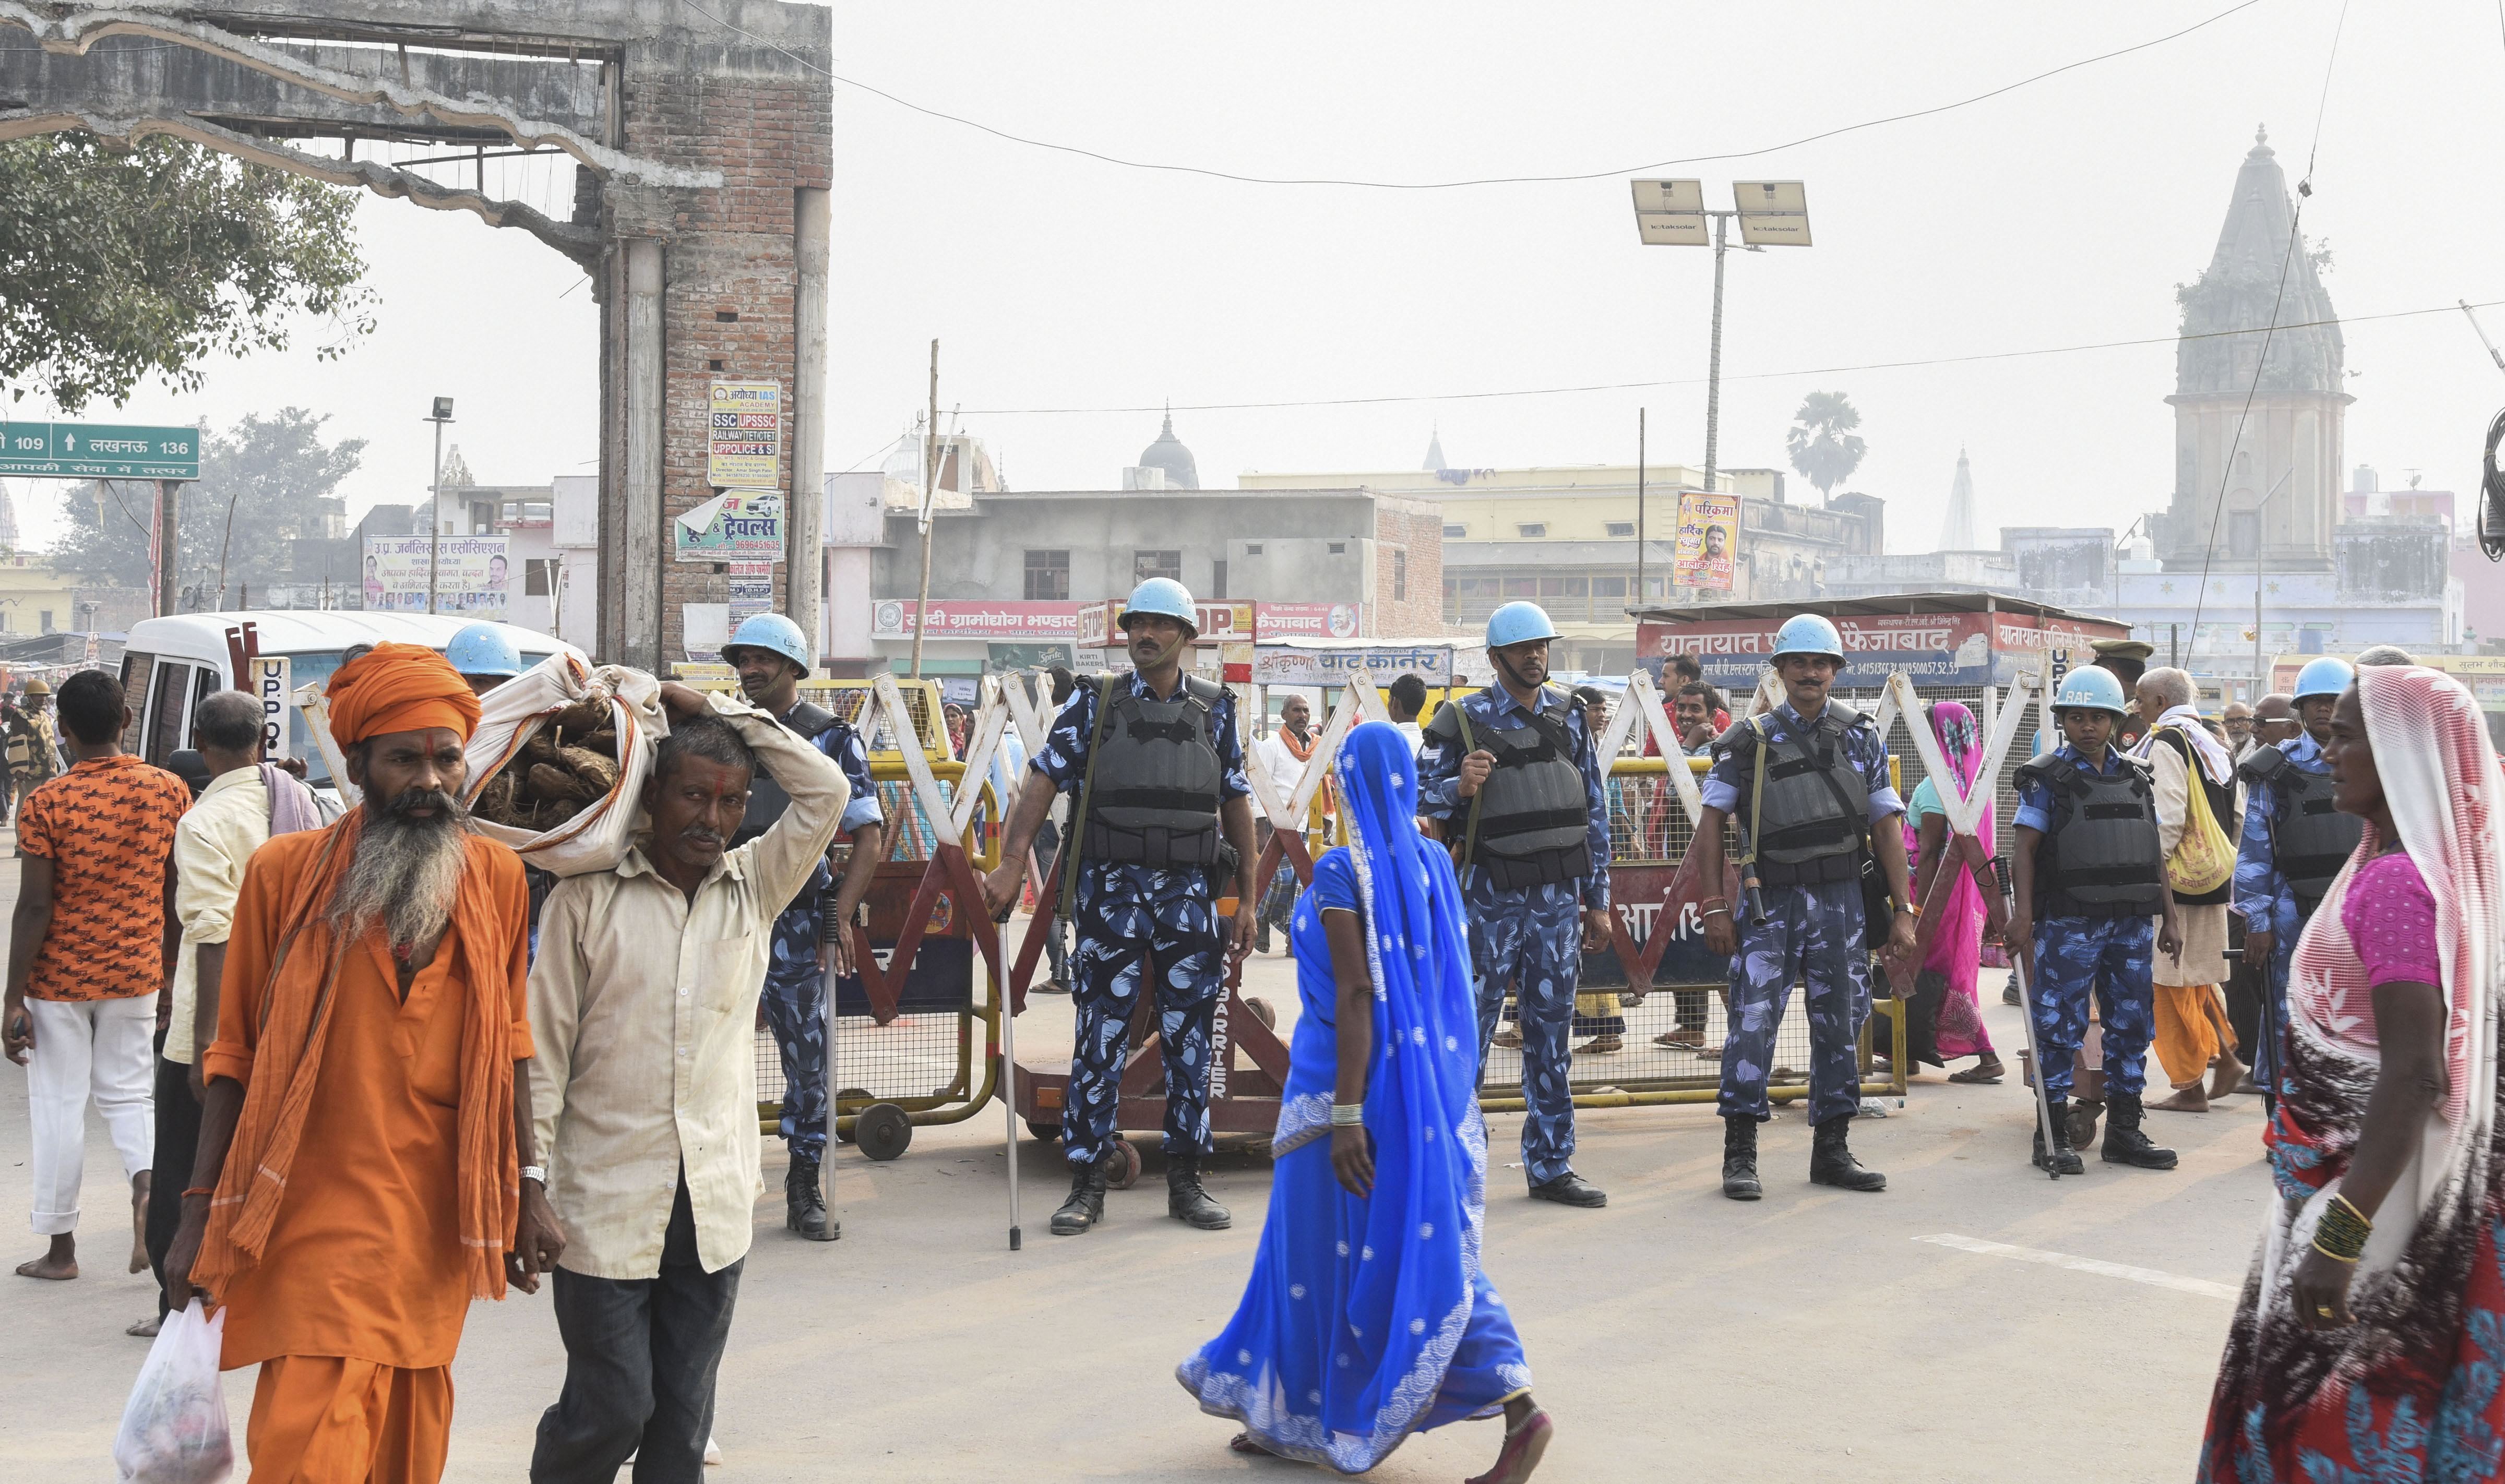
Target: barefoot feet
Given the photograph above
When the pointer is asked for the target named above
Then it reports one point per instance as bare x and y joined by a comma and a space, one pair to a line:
58, 1265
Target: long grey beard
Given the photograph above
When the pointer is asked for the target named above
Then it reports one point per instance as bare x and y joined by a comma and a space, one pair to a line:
406, 875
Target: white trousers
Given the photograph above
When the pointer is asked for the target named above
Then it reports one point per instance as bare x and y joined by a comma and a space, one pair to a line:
100, 1048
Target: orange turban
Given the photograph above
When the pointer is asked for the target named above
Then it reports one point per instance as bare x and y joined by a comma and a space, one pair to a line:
399, 688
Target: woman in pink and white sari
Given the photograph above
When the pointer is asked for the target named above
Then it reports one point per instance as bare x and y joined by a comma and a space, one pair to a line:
2371, 1340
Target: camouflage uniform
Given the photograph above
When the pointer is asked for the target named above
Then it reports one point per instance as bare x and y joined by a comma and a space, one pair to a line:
795, 987
2111, 957
1815, 933
2265, 899
1126, 914
1527, 938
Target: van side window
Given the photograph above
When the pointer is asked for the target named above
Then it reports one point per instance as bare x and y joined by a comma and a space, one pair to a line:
136, 669
169, 705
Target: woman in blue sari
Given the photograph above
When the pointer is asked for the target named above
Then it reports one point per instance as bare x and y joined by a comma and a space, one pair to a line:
1366, 1318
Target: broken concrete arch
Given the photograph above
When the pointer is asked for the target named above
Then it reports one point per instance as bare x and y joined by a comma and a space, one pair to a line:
702, 147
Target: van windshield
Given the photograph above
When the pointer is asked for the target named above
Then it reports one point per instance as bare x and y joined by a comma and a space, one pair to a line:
316, 667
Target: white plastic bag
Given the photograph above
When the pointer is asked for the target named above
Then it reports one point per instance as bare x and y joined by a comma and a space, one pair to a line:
174, 1430
597, 838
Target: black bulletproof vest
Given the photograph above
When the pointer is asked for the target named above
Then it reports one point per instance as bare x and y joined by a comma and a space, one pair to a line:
766, 800
2222, 808
2309, 840
1155, 796
1533, 816
2101, 858
1816, 804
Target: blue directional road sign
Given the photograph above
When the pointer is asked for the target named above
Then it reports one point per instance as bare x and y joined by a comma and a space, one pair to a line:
78, 451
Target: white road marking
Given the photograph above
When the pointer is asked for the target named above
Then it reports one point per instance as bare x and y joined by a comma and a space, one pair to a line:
2147, 1275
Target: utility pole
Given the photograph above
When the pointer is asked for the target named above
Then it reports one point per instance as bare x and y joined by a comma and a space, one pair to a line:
1714, 371
169, 525
441, 414
930, 491
1640, 591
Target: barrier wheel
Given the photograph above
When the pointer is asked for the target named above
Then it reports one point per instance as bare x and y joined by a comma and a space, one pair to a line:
1262, 1011
1124, 1171
883, 1131
1047, 1132
843, 1096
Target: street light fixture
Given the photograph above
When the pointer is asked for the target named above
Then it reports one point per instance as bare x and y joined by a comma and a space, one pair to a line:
1671, 213
441, 414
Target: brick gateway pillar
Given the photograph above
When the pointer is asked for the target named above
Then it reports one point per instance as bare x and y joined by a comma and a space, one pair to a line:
703, 147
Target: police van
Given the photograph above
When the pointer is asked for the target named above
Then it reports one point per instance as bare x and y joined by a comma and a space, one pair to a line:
171, 665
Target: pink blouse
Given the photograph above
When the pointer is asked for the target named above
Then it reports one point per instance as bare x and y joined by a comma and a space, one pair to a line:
2390, 918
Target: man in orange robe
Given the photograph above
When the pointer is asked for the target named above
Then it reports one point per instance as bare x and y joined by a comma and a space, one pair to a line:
365, 1129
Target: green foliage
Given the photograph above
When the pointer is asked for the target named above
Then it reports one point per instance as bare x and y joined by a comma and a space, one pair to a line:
275, 474
1822, 442
119, 261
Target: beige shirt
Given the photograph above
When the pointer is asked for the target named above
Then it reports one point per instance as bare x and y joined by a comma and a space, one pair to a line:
212, 844
644, 1011
2202, 960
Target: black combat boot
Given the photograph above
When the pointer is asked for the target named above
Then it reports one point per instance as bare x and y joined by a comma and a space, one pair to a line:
1186, 1202
1739, 1157
804, 1207
2064, 1159
1085, 1211
1831, 1161
2124, 1143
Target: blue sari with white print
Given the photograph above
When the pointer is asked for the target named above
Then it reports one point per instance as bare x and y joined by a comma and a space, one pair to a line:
1366, 1319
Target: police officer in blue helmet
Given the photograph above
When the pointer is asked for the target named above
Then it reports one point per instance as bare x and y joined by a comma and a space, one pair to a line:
770, 655
2294, 842
1161, 826
2090, 901
1808, 783
482, 654
1512, 781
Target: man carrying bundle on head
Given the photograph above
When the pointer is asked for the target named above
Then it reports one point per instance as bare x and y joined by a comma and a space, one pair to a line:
1512, 777
365, 1130
1808, 783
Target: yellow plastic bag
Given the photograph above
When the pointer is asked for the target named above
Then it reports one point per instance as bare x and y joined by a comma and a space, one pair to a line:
2204, 857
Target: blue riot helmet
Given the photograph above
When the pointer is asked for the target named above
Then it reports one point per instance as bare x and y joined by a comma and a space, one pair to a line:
2328, 676
1809, 634
1518, 623
483, 650
1166, 598
771, 632
2090, 688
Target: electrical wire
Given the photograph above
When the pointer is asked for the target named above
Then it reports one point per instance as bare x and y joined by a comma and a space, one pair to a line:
1455, 185
2287, 260
1636, 386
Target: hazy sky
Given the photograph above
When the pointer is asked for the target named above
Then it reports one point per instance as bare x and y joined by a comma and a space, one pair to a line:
2062, 213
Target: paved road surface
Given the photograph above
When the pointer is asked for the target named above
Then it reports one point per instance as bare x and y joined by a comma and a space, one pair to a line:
1813, 1334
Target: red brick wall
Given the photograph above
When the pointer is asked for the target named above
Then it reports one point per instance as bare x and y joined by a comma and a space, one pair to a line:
1416, 529
729, 259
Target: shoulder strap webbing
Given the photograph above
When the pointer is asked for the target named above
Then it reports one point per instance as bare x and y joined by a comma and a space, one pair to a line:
1072, 839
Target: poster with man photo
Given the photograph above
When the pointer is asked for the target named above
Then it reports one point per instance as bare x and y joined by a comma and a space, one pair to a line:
1708, 535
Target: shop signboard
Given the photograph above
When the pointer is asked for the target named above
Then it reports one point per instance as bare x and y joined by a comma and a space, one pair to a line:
1307, 620
976, 619
1313, 664
752, 590
744, 435
1933, 648
1706, 541
1100, 625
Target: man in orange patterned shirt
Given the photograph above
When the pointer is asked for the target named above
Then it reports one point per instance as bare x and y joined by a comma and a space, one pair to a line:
88, 952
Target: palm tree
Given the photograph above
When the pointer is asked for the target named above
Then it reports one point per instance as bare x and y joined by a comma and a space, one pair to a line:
1822, 441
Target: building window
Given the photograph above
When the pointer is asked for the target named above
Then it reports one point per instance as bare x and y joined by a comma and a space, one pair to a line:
2245, 533
1047, 576
1608, 586
1563, 587
1339, 548
1217, 581
1622, 528
1522, 587
44, 616
1252, 549
1399, 576
539, 577
1147, 564
1532, 529
1456, 532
